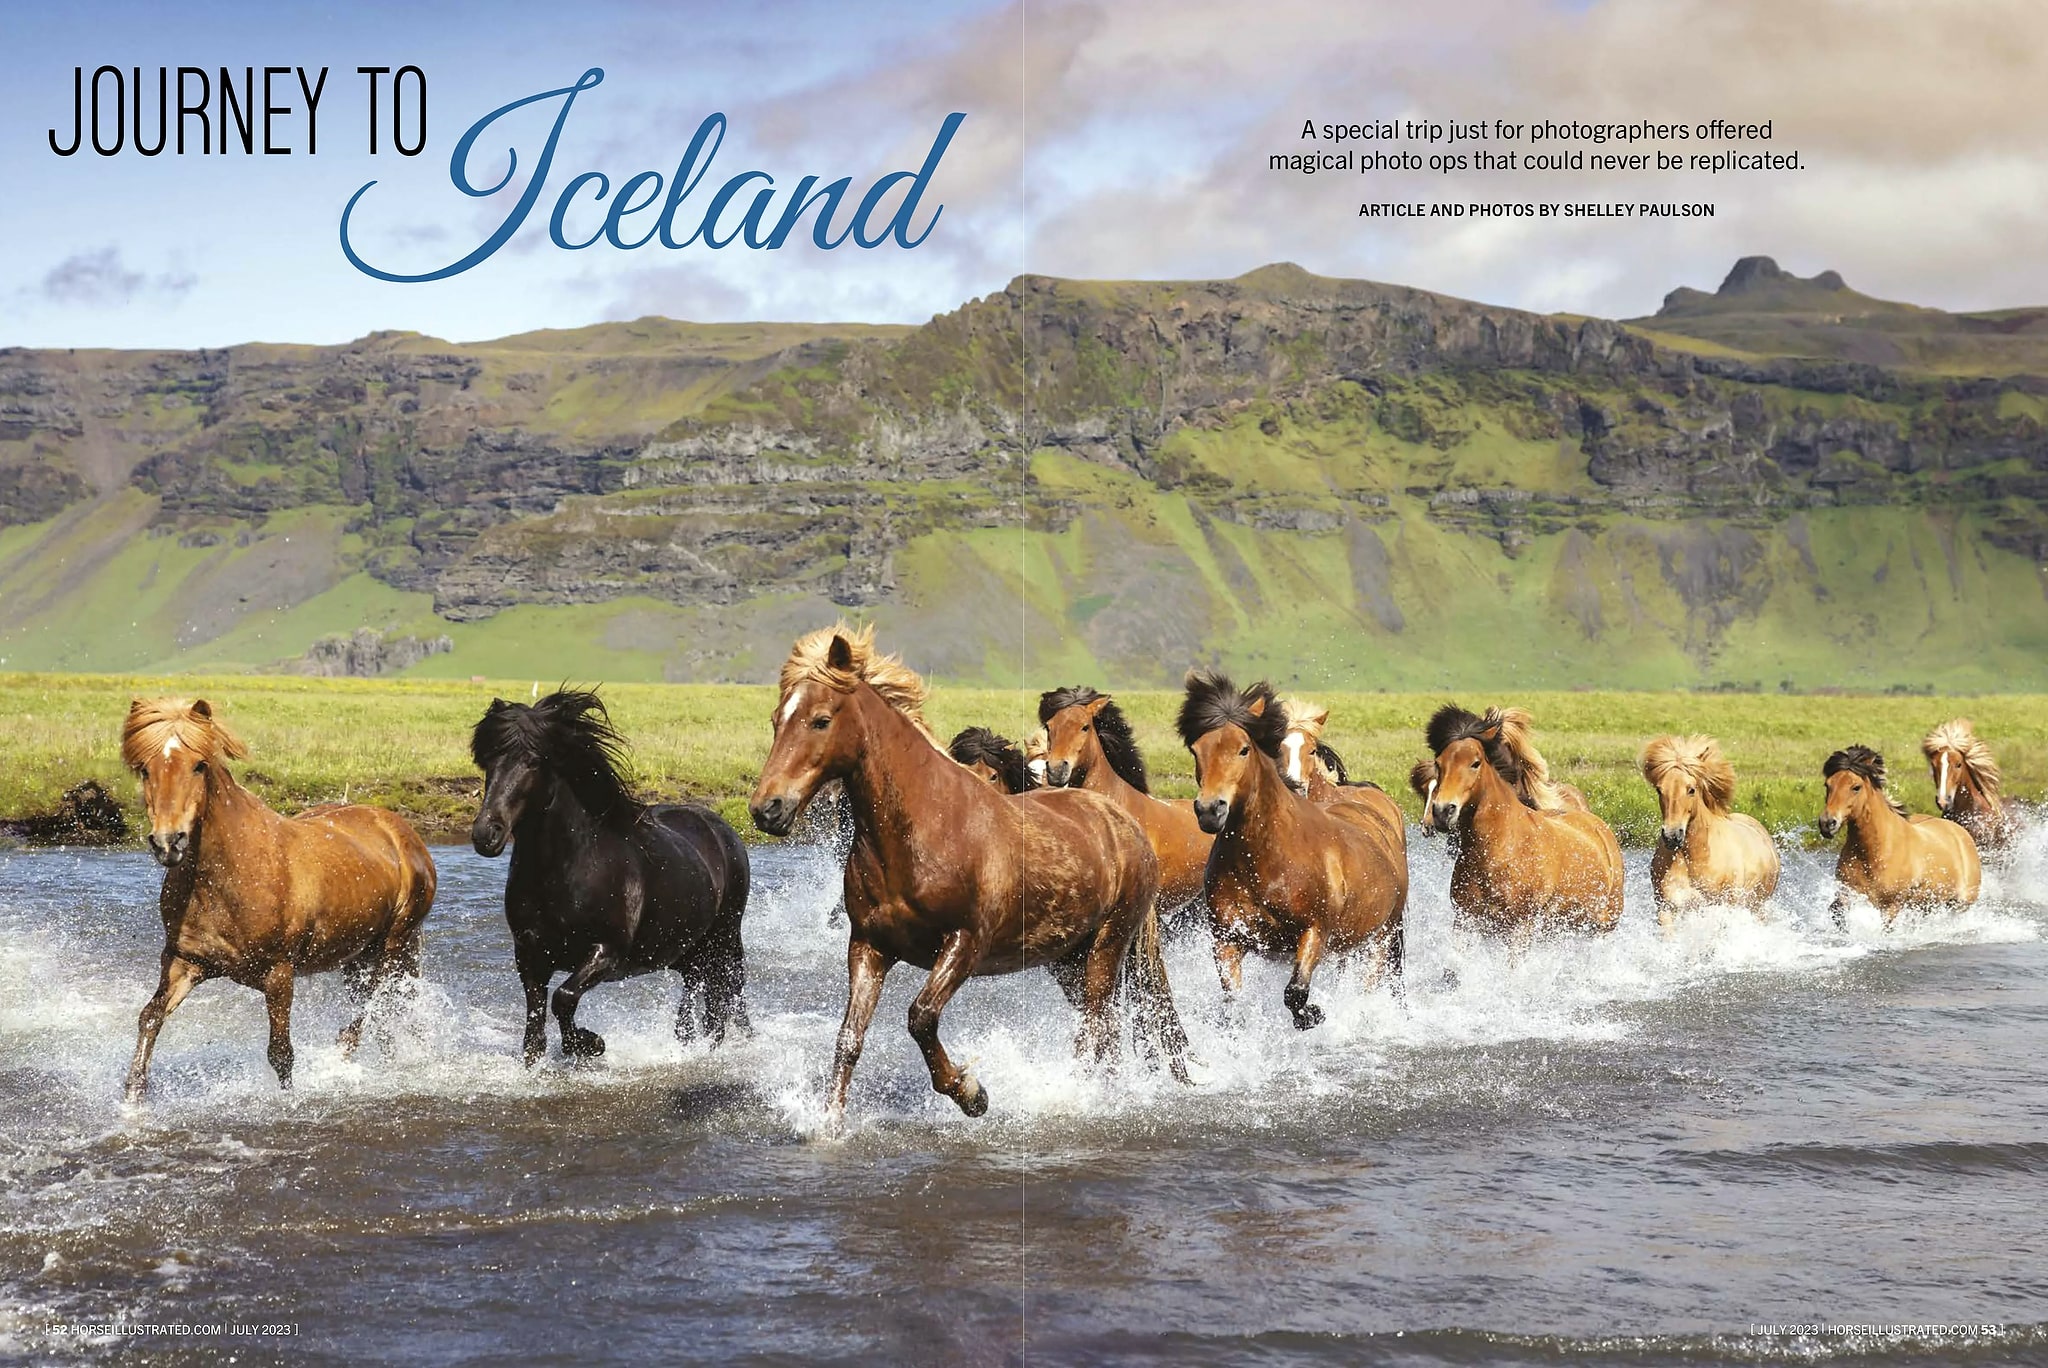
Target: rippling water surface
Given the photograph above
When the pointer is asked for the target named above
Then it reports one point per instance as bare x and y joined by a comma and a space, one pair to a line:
1634, 1149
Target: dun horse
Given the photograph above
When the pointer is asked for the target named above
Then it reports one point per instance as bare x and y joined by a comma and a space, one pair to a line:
1705, 853
1966, 781
1895, 860
955, 877
1532, 773
1519, 866
258, 898
1089, 746
992, 758
1287, 878
603, 886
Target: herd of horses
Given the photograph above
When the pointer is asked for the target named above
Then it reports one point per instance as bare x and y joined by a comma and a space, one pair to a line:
981, 856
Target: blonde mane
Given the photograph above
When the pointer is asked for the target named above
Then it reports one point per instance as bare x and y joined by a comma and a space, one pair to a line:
1959, 735
1699, 759
154, 724
1307, 718
1037, 746
900, 686
1515, 725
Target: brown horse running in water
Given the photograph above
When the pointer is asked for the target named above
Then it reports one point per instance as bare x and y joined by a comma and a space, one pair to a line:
1287, 877
955, 877
1089, 746
1895, 860
258, 898
992, 758
1532, 782
1966, 781
1705, 852
1313, 769
1519, 867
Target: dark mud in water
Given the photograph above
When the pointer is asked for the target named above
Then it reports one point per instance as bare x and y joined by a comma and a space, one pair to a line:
1633, 1150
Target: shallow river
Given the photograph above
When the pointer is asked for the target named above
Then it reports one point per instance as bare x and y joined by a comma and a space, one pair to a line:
1626, 1150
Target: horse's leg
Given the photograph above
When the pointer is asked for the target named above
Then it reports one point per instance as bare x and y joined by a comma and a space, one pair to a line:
725, 979
1230, 968
1159, 1025
401, 959
866, 967
1308, 953
957, 958
694, 987
177, 978
578, 1043
277, 1001
533, 980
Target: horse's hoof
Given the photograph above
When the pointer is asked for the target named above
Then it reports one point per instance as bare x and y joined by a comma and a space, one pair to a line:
1308, 1018
973, 1098
582, 1044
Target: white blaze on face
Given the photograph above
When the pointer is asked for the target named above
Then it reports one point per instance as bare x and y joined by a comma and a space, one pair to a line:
789, 704
170, 744
1941, 789
1292, 744
1037, 768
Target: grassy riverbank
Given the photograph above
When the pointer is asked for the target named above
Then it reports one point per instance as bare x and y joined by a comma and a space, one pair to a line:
404, 743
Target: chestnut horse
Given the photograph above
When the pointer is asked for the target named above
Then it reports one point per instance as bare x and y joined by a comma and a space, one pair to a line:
1089, 746
258, 898
1286, 877
1519, 867
1895, 860
955, 877
1313, 769
1532, 773
992, 758
1705, 852
603, 886
1966, 783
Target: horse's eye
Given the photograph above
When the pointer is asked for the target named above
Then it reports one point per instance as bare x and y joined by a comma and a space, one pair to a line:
199, 768
1244, 750
1087, 726
1689, 790
820, 722
1856, 788
1475, 764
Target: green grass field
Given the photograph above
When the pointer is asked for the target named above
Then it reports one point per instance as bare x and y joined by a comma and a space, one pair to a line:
404, 743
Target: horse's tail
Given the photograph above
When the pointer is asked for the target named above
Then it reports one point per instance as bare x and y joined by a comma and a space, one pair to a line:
1158, 1019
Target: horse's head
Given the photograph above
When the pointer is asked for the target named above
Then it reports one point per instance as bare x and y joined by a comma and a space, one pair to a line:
1691, 776
1231, 733
1071, 743
825, 683
992, 758
1851, 779
1301, 747
1466, 747
1966, 778
173, 747
1422, 779
518, 746
1035, 747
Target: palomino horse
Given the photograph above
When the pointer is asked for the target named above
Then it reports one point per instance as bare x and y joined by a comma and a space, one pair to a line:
993, 758
1286, 878
950, 874
603, 886
1519, 867
1705, 853
1089, 746
258, 898
1894, 860
1532, 781
1313, 769
1966, 783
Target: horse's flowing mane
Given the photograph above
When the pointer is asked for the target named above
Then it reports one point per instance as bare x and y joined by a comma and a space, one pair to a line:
1112, 728
999, 753
1959, 735
1212, 701
1699, 759
570, 735
154, 723
810, 662
1503, 733
1864, 762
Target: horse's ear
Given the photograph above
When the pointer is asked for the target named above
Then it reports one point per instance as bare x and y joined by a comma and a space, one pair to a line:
839, 655
498, 705
202, 708
1096, 705
1320, 717
1258, 707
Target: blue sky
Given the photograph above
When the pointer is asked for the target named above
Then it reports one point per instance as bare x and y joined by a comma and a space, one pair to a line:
1116, 140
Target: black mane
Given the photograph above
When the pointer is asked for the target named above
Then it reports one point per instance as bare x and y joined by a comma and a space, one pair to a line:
1213, 701
984, 746
569, 735
1119, 747
1857, 760
1332, 762
1453, 723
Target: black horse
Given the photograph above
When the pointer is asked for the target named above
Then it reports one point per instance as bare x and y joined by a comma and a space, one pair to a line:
603, 885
